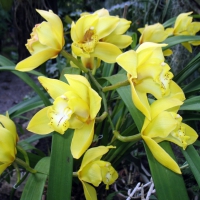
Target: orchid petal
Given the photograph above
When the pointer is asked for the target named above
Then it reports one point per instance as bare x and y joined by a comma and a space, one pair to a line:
36, 60
94, 154
128, 61
121, 41
106, 25
39, 122
161, 155
106, 52
89, 191
54, 87
82, 139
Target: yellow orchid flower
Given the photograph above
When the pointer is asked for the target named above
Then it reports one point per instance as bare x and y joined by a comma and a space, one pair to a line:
100, 36
154, 33
166, 125
47, 40
147, 73
94, 171
184, 26
75, 106
8, 140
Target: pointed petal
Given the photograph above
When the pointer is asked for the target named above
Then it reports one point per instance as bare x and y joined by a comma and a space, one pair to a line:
36, 60
140, 100
46, 36
161, 126
163, 104
161, 155
95, 103
94, 154
191, 133
39, 122
128, 61
106, 25
122, 26
80, 85
176, 91
54, 87
168, 52
9, 125
91, 173
89, 191
84, 24
55, 23
187, 46
82, 139
106, 52
121, 41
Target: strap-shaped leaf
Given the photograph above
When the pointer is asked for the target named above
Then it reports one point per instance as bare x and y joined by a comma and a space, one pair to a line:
60, 173
34, 187
192, 103
193, 160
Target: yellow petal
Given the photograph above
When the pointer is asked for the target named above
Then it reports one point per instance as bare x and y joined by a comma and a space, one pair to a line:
106, 52
94, 154
89, 191
161, 126
140, 100
91, 173
7, 146
78, 51
128, 61
121, 41
9, 125
176, 91
168, 52
191, 133
106, 25
55, 23
54, 87
46, 36
163, 104
82, 139
161, 155
39, 122
122, 26
95, 103
83, 24
187, 46
35, 60
80, 85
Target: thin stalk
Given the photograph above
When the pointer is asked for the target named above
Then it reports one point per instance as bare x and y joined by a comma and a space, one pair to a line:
101, 118
24, 165
20, 149
74, 60
115, 86
99, 87
132, 138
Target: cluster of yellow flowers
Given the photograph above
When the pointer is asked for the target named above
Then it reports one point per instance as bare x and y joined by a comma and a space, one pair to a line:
97, 37
182, 26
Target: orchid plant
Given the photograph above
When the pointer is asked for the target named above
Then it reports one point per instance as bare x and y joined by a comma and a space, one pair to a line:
109, 99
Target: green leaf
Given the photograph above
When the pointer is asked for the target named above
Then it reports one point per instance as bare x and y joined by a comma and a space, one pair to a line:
125, 94
169, 185
192, 103
169, 22
34, 187
191, 67
194, 86
60, 174
171, 41
193, 160
69, 70
25, 106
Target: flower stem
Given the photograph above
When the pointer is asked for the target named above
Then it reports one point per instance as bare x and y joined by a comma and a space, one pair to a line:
99, 87
115, 86
74, 60
20, 149
132, 138
25, 165
102, 117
